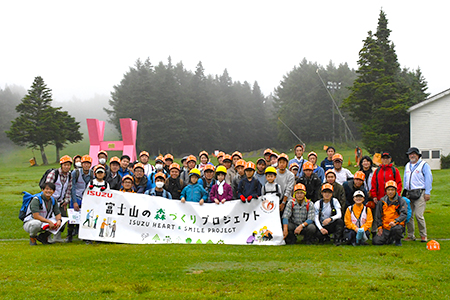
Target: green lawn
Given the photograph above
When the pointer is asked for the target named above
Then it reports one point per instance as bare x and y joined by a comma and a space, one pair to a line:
116, 271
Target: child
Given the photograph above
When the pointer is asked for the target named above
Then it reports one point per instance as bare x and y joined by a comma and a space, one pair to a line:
194, 192
220, 157
358, 220
240, 173
158, 190
174, 184
249, 187
204, 159
128, 184
260, 168
228, 162
191, 161
298, 217
168, 160
208, 179
221, 191
266, 155
271, 187
99, 178
327, 163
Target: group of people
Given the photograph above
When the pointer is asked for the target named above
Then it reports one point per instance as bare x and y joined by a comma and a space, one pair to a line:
315, 201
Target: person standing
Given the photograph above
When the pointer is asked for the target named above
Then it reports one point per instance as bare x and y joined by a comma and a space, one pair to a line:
385, 172
298, 150
418, 184
327, 163
285, 179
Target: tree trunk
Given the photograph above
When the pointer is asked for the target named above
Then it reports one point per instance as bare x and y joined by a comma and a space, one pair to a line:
57, 154
44, 157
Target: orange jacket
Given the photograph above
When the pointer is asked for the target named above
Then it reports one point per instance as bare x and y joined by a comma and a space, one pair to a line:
391, 211
357, 209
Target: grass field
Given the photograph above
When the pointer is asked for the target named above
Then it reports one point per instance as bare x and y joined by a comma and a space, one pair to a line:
117, 271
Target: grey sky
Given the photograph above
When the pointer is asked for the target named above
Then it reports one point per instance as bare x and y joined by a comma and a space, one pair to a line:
83, 48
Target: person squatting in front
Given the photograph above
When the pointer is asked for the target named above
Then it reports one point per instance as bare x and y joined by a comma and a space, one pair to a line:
358, 220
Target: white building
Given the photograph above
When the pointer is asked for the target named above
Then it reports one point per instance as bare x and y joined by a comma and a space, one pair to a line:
430, 128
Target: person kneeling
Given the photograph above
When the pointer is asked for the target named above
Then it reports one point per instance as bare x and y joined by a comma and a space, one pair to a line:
358, 220
328, 216
298, 217
391, 214
42, 215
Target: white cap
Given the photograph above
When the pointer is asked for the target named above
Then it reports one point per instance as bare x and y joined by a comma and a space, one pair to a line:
358, 193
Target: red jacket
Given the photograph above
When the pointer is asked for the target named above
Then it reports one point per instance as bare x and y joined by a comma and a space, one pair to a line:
379, 180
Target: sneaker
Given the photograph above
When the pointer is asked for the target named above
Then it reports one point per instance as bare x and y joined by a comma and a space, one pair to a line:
423, 239
398, 242
409, 239
43, 238
33, 241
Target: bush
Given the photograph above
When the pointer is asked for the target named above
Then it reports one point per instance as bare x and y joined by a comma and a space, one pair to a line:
445, 162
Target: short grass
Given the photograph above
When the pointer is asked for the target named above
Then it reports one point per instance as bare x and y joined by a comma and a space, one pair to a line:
117, 271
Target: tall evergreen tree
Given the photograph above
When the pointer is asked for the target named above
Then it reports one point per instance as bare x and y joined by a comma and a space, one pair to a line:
67, 130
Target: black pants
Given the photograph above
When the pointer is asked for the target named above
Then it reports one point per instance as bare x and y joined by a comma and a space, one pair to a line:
335, 227
308, 233
351, 235
396, 233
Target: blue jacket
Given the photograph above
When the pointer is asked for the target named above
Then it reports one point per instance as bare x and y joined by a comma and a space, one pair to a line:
320, 173
165, 194
249, 188
151, 179
194, 193
123, 172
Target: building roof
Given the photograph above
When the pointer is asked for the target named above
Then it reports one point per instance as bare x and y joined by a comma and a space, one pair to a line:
429, 100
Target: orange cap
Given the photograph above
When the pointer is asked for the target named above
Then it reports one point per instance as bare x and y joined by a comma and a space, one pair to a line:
330, 171
312, 153
64, 159
299, 145
221, 154
293, 165
203, 153
160, 175
98, 167
390, 183
250, 165
299, 187
237, 153
337, 156
102, 152
360, 175
227, 157
240, 163
308, 166
114, 159
159, 158
128, 177
174, 166
268, 151
209, 167
191, 158
168, 156
283, 156
327, 186
144, 153
138, 165
86, 158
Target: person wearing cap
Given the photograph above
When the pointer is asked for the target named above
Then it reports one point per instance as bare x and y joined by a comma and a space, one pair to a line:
228, 163
240, 174
168, 160
99, 182
390, 216
174, 184
328, 216
124, 163
249, 187
298, 151
342, 174
418, 181
128, 184
140, 180
271, 187
220, 157
285, 179
327, 162
266, 156
62, 178
338, 190
221, 191
204, 160
353, 185
102, 156
384, 173
184, 163
143, 158
294, 169
191, 162
159, 167
194, 191
358, 220
260, 168
80, 181
311, 181
158, 190
112, 177
208, 179
312, 158
274, 160
298, 217
77, 162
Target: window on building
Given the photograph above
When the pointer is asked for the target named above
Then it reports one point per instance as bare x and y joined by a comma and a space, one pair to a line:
436, 154
426, 154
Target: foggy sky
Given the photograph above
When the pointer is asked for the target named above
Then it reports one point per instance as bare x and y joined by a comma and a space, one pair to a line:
83, 48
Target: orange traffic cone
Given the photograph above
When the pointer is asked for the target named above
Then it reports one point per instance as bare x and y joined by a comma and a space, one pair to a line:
433, 245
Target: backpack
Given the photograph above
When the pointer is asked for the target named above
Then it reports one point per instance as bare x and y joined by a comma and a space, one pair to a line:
27, 197
307, 205
409, 214
44, 177
276, 192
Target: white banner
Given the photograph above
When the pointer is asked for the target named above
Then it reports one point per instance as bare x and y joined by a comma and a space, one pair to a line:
113, 216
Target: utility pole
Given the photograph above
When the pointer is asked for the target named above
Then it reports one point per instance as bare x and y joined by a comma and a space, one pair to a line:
333, 86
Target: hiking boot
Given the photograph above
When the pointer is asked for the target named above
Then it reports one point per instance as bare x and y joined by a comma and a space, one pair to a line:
409, 239
33, 241
337, 242
398, 242
56, 238
423, 239
43, 238
69, 239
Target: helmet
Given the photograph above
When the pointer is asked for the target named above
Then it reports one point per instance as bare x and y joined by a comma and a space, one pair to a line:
102, 152
195, 171
168, 156
203, 153
267, 151
327, 186
191, 158
337, 156
221, 154
86, 158
76, 157
159, 158
273, 154
293, 165
299, 145
261, 160
227, 157
312, 153
360, 175
160, 175
240, 163
237, 153
174, 166
390, 183
308, 166
283, 156
250, 165
271, 170
127, 177
138, 165
64, 159
114, 159
221, 169
299, 187
97, 167
330, 171
144, 153
209, 167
